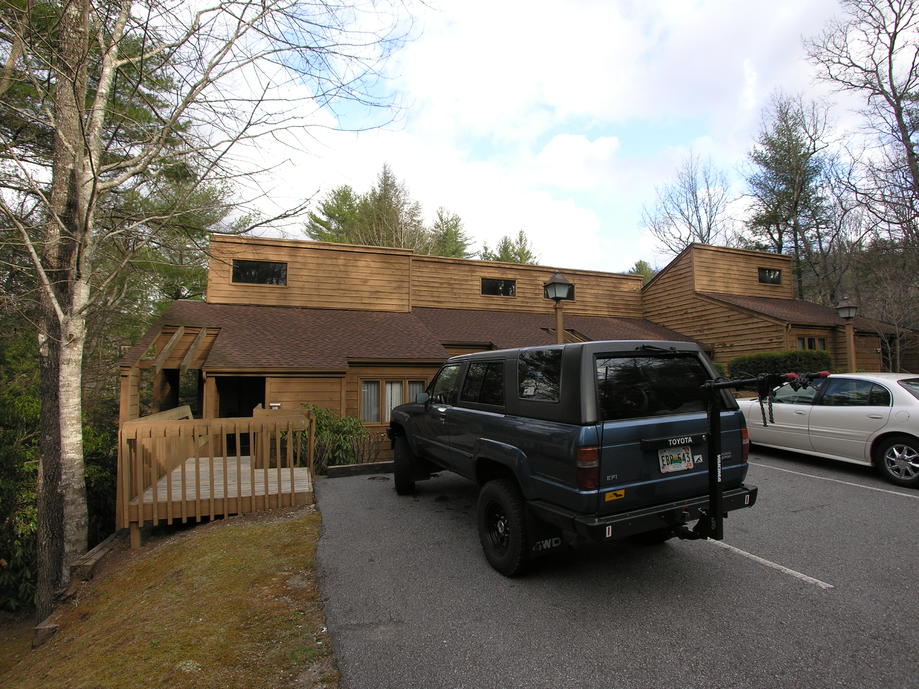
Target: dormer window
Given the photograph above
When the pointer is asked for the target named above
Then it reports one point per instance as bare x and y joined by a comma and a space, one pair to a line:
770, 276
259, 272
499, 287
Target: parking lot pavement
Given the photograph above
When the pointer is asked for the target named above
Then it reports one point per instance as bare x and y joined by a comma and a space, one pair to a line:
411, 601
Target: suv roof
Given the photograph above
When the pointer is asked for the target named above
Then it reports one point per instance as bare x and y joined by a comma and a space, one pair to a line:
592, 347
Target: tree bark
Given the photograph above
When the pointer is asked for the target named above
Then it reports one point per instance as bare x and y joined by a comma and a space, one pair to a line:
62, 517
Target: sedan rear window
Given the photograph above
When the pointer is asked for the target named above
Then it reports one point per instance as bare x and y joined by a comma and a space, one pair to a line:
630, 387
911, 385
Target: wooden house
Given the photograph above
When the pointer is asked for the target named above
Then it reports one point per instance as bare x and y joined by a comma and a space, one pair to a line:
741, 302
361, 329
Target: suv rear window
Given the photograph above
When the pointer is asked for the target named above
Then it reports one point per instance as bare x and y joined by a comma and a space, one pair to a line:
631, 387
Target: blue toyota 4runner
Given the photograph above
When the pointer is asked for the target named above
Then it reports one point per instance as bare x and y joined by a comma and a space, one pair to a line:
594, 440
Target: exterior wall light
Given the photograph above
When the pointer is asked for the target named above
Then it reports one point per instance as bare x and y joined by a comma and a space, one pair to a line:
558, 289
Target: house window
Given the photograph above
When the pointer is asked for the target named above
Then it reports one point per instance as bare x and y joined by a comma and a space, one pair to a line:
811, 342
259, 272
770, 276
370, 401
380, 397
499, 287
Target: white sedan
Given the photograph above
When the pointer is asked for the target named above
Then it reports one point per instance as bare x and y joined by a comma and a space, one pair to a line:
864, 418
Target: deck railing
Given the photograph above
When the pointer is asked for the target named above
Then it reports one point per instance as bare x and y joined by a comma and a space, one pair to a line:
173, 467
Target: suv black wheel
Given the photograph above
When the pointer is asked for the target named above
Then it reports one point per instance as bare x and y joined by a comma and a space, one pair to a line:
403, 466
501, 516
898, 460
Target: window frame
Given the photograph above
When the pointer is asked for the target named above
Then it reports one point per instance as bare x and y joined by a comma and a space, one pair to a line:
513, 282
764, 275
234, 281
810, 343
382, 382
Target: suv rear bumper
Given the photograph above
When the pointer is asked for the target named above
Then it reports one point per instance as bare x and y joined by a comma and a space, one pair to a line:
616, 526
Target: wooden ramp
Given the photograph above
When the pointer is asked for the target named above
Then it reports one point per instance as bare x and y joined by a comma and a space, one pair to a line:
172, 467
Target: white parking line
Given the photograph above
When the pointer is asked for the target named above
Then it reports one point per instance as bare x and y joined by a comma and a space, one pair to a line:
836, 480
774, 565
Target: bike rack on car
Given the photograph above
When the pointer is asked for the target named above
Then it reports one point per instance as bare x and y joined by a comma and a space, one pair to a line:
711, 520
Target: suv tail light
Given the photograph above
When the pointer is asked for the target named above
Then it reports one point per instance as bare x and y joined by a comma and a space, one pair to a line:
587, 465
744, 444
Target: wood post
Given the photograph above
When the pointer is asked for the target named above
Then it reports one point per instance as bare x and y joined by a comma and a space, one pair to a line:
135, 535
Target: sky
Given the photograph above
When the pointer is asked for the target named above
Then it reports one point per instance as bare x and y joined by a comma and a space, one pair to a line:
563, 118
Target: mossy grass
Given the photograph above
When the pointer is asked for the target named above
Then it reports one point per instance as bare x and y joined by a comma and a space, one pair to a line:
233, 603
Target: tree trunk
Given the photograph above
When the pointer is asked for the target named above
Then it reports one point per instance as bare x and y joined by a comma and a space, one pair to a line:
62, 518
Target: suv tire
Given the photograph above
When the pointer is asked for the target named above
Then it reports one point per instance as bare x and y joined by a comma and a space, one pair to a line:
502, 525
403, 466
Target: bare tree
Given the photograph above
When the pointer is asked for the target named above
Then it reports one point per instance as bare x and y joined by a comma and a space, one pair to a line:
693, 209
874, 51
79, 164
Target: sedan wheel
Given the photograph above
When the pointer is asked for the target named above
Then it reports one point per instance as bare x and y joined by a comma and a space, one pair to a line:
898, 460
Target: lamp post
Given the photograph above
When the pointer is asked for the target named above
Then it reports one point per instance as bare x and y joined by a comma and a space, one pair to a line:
847, 310
558, 289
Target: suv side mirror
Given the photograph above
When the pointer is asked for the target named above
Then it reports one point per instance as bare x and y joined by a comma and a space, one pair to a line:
422, 398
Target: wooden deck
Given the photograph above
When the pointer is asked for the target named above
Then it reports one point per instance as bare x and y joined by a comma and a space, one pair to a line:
220, 477
168, 468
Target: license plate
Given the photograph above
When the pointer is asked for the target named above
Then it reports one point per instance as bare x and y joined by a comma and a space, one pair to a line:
675, 459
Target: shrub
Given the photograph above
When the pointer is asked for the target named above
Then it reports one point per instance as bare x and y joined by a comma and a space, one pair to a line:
792, 361
339, 439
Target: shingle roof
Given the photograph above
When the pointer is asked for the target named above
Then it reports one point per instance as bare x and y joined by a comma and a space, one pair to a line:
506, 329
280, 337
795, 311
273, 337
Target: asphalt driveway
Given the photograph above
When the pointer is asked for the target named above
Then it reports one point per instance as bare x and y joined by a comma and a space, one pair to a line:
818, 591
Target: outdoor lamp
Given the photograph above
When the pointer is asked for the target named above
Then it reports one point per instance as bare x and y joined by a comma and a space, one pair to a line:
558, 289
846, 309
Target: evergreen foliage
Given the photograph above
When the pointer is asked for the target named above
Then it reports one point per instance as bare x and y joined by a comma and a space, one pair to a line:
511, 250
386, 215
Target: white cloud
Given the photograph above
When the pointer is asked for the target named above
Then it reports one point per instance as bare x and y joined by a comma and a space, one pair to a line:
542, 116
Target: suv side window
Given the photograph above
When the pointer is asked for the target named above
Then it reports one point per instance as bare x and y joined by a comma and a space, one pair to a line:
443, 387
539, 374
484, 383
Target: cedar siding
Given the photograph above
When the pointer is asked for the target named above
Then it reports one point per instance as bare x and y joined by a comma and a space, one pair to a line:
714, 295
457, 284
329, 276
736, 271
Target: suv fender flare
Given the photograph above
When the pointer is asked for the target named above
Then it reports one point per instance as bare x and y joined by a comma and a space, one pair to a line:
511, 458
